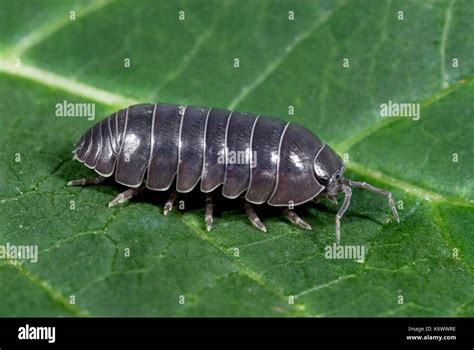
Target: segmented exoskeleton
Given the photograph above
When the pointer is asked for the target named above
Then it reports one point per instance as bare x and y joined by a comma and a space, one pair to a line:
258, 158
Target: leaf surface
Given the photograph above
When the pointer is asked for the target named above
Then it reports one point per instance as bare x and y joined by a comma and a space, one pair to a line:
426, 260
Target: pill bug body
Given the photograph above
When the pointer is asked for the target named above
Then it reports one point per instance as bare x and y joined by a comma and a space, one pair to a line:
258, 158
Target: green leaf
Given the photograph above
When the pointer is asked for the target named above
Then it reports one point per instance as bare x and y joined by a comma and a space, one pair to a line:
426, 260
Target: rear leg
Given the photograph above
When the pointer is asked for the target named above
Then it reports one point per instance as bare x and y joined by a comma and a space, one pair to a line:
294, 218
254, 219
87, 181
122, 197
170, 202
208, 216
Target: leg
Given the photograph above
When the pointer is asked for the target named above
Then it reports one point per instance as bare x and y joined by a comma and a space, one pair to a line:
254, 219
294, 218
347, 201
86, 182
373, 189
170, 202
332, 199
208, 216
122, 197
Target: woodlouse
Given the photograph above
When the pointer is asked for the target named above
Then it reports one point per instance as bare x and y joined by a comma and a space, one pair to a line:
284, 165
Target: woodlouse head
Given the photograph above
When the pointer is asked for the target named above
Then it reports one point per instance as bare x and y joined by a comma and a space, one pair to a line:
328, 169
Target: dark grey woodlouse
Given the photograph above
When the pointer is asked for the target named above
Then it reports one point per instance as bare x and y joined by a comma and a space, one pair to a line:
285, 165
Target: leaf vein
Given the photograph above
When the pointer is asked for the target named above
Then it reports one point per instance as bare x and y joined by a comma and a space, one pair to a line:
41, 34
271, 68
51, 292
444, 39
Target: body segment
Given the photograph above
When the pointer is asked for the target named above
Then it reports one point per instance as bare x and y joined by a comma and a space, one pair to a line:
238, 154
191, 146
266, 138
164, 147
213, 171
